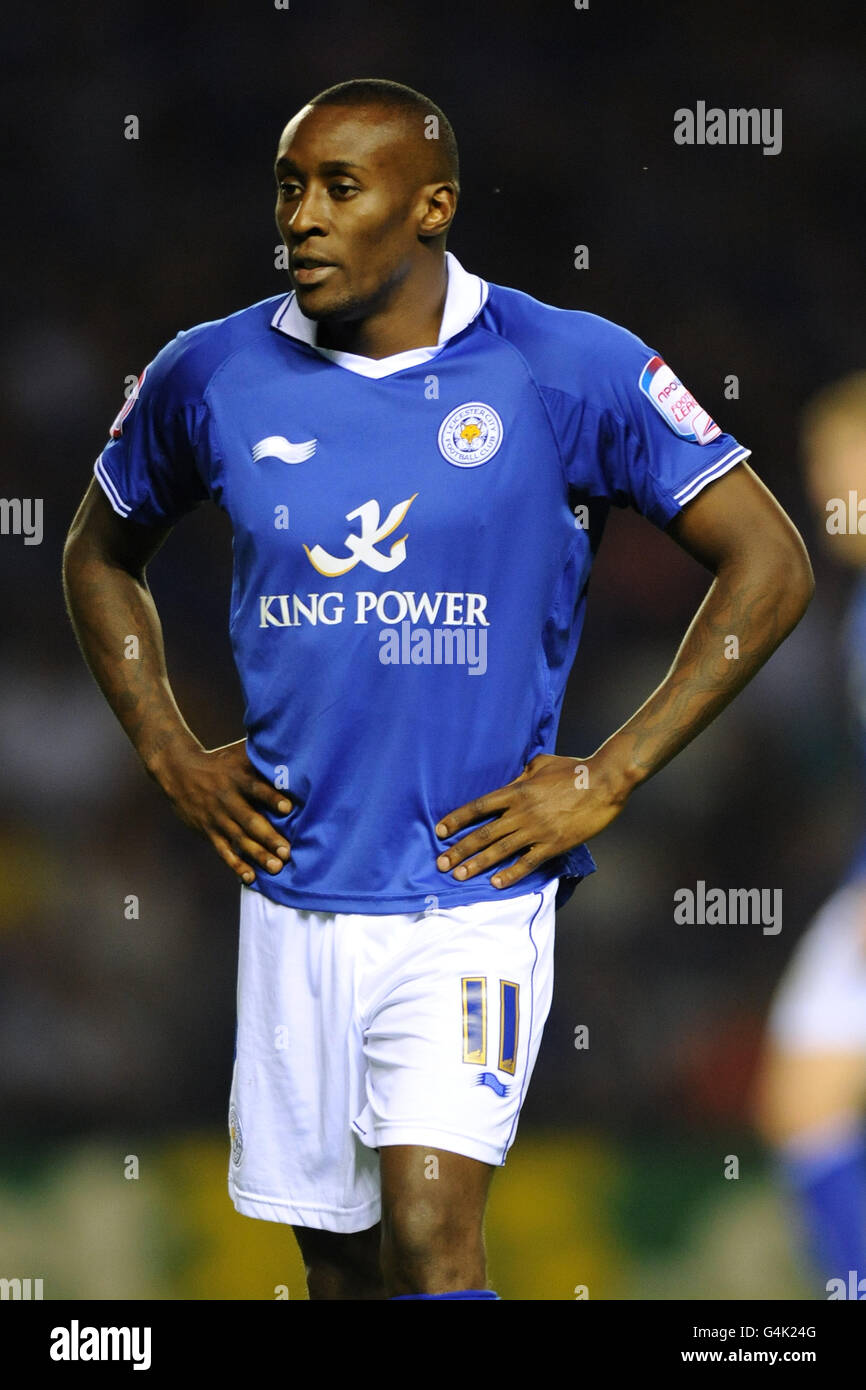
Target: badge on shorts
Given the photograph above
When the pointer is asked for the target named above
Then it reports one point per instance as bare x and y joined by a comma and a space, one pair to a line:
470, 435
236, 1135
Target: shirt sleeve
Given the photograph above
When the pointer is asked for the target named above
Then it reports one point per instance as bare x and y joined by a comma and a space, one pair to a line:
148, 469
637, 435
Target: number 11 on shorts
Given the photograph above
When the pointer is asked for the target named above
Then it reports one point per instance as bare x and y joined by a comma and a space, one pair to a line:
474, 996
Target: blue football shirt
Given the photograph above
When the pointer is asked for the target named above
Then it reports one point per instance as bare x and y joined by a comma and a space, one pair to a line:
412, 543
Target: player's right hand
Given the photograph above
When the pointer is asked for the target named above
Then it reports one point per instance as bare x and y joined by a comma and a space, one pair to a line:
216, 791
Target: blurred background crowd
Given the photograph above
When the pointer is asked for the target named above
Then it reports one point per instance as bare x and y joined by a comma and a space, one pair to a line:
116, 1034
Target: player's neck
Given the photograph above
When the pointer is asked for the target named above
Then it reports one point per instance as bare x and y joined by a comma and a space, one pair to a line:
411, 318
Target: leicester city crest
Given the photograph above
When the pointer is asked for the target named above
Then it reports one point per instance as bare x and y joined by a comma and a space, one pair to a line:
236, 1136
470, 435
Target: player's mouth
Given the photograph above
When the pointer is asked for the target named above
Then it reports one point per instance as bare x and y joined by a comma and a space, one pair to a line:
307, 271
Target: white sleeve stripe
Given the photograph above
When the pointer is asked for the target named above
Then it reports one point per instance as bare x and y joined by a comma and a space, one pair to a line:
122, 508
710, 468
715, 470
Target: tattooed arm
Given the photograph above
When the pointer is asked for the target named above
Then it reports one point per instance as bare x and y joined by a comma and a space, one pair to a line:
762, 587
215, 791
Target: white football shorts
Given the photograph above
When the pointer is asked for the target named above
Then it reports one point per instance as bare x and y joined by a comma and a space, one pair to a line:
820, 1002
357, 1031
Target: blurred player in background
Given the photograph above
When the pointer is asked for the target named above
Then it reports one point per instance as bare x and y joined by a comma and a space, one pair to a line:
811, 1091
409, 456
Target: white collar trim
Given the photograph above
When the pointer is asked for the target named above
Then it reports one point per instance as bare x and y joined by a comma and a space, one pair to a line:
464, 299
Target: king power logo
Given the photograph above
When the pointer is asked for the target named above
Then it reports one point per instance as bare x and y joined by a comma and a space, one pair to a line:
461, 638
363, 547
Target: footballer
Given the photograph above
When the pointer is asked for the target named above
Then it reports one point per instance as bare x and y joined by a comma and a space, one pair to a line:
810, 1091
417, 466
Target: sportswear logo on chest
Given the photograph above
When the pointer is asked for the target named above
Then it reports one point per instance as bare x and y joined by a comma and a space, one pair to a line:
278, 447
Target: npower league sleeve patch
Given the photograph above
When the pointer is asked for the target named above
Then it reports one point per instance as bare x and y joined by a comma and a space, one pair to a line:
117, 427
676, 403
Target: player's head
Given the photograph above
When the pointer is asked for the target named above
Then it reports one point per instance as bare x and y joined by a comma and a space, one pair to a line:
833, 439
367, 185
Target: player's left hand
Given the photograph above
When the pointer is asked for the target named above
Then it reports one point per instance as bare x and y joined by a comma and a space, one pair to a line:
555, 804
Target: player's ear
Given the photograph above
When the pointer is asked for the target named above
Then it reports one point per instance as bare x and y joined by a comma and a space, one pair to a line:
437, 205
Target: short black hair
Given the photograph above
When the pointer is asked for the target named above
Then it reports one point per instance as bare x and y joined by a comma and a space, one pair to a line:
379, 91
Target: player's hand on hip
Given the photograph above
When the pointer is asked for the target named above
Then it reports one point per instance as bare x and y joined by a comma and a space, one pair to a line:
555, 804
218, 792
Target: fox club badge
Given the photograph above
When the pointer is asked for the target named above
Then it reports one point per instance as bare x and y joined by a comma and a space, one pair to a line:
470, 435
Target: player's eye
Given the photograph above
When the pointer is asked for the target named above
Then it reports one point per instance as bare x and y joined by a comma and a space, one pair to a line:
286, 190
343, 188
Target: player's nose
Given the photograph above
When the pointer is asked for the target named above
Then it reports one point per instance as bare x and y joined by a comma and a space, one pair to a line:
309, 216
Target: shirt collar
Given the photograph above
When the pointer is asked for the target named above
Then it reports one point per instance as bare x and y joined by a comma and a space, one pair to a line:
464, 299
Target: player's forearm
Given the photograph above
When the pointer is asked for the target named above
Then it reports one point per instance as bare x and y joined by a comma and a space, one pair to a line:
120, 635
750, 608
